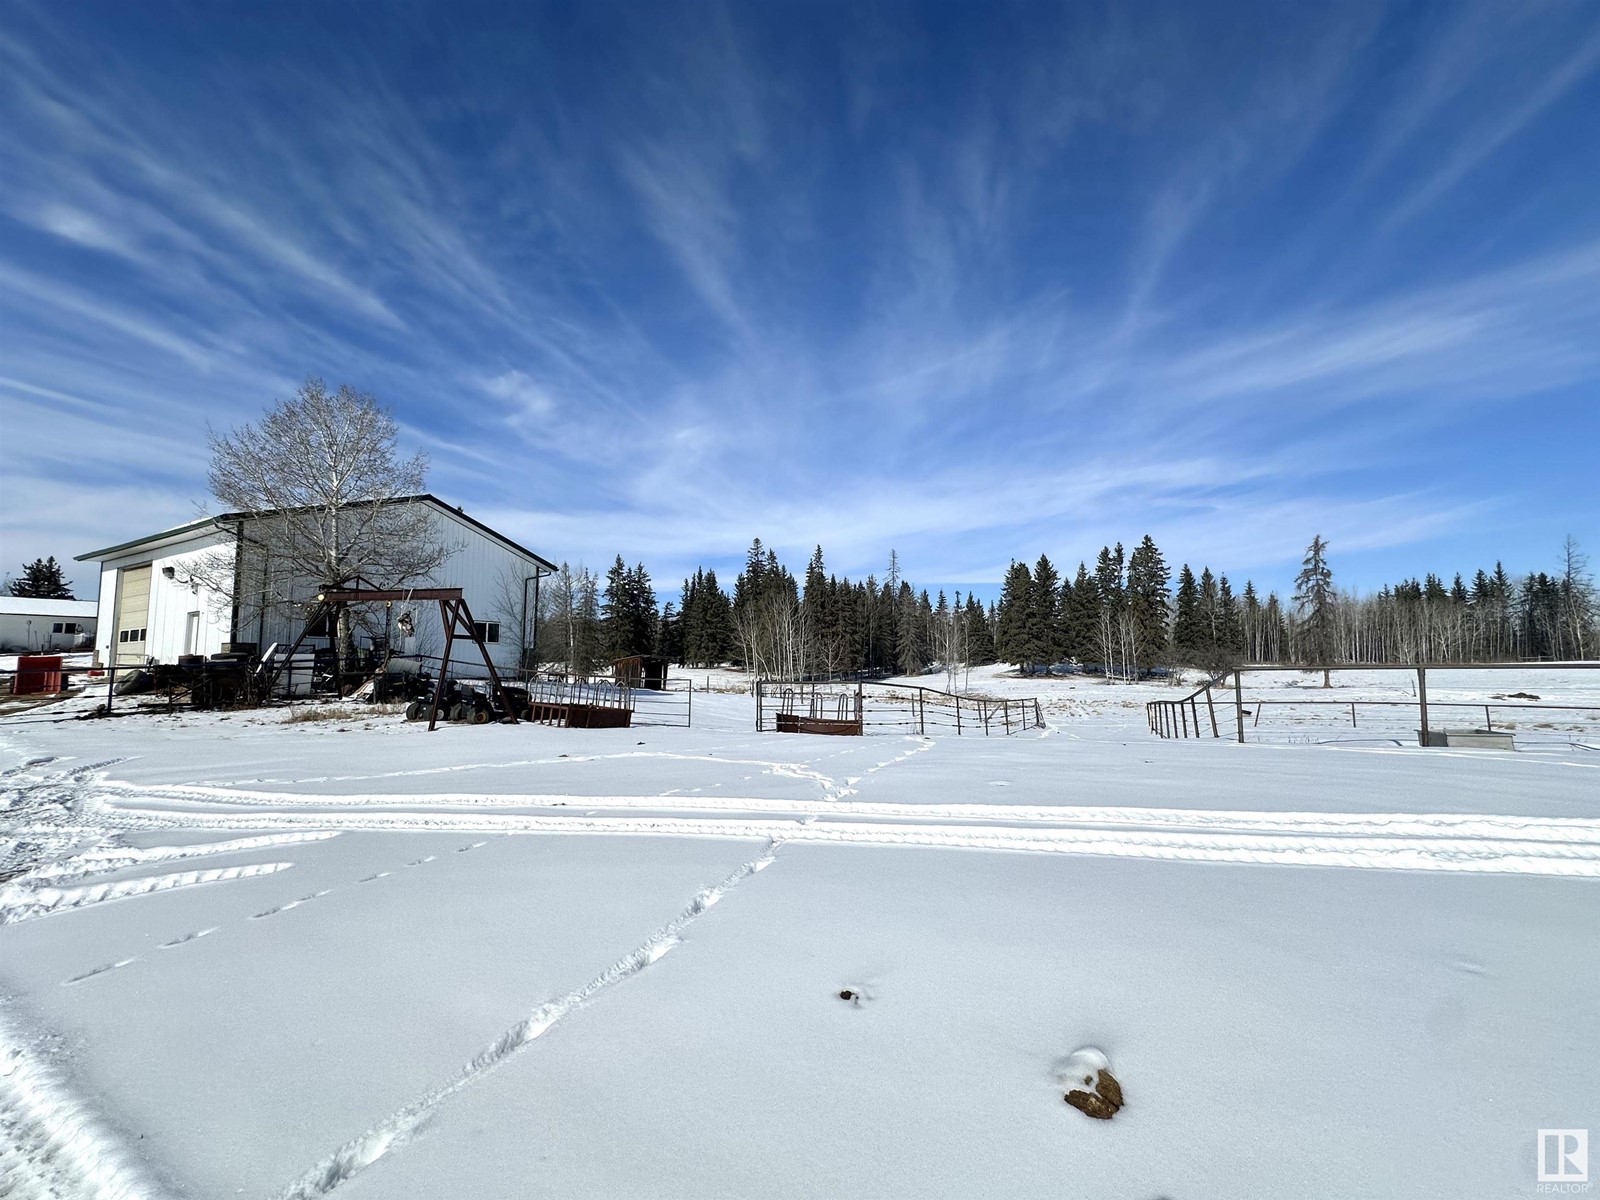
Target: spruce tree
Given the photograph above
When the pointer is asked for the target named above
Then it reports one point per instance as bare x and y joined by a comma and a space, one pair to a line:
912, 643
980, 637
1041, 638
42, 580
1231, 640
1186, 644
1082, 617
1148, 598
1011, 615
1314, 598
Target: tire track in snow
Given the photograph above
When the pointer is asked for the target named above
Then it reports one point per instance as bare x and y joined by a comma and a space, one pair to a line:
102, 862
22, 904
51, 1147
395, 1130
1371, 848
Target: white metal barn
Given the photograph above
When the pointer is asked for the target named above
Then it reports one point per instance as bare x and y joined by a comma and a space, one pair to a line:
31, 625
153, 606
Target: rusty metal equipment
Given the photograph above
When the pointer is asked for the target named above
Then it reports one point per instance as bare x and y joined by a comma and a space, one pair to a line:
454, 616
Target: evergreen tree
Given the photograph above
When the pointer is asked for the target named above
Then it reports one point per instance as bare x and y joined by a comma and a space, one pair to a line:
1082, 617
1041, 634
1148, 598
1253, 623
588, 633
1186, 639
1011, 615
980, 637
912, 636
41, 580
669, 633
1230, 638
629, 612
1314, 598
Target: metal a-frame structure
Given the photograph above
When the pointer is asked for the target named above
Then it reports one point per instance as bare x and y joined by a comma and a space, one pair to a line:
454, 615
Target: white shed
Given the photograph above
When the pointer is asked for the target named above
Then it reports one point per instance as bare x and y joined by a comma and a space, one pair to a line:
29, 626
154, 605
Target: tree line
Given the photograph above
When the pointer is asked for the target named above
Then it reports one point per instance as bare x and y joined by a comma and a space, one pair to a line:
1124, 617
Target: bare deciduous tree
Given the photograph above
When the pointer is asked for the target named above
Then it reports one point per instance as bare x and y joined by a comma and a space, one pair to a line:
326, 501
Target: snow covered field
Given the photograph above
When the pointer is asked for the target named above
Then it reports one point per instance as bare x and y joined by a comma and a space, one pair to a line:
247, 957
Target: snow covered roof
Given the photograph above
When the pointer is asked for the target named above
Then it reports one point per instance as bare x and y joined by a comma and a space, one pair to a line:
28, 606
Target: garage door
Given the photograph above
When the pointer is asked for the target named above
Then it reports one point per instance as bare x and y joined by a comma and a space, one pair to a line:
133, 612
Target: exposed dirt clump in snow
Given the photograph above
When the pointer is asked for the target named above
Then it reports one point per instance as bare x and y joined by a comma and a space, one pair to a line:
1102, 1103
1091, 1087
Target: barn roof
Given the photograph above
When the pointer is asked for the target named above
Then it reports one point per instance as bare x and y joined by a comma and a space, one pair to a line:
204, 523
32, 606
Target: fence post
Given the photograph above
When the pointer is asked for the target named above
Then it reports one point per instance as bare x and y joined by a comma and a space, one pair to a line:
1352, 714
1488, 721
1422, 703
1238, 702
1185, 718
1212, 706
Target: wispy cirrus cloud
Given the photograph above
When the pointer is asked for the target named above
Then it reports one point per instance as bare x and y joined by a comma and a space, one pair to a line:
869, 280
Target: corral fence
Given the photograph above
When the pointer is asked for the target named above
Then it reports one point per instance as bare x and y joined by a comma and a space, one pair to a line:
1195, 715
669, 706
863, 706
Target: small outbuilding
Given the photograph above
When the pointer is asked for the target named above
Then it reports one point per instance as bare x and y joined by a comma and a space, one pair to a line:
641, 671
29, 625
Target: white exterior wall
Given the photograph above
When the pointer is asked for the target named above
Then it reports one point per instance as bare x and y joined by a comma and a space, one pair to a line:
490, 577
30, 633
171, 600
488, 572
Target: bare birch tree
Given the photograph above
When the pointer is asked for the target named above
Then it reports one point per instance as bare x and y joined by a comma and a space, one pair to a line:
325, 501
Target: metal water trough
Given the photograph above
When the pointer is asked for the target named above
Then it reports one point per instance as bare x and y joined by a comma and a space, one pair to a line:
1468, 739
794, 723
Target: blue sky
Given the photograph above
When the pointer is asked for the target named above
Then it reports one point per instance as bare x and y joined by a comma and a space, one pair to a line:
970, 281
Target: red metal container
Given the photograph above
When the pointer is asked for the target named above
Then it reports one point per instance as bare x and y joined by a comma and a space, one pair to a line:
37, 675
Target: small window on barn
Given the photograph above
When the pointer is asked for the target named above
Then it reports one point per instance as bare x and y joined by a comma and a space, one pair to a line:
57, 628
488, 631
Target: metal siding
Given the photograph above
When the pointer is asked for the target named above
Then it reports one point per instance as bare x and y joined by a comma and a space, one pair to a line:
476, 568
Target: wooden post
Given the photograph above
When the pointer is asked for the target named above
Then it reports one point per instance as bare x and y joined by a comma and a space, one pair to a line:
1488, 721
1422, 703
1184, 717
1212, 705
1352, 714
1238, 703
